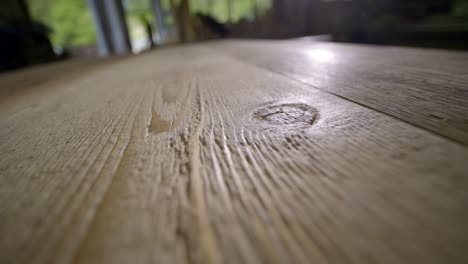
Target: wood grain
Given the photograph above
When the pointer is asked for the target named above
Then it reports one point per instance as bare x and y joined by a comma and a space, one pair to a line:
22, 88
426, 88
187, 155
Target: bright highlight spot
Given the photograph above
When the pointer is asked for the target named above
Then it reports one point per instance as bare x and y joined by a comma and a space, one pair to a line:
321, 55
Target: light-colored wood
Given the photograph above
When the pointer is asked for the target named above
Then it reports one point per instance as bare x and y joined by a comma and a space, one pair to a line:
188, 155
427, 88
22, 88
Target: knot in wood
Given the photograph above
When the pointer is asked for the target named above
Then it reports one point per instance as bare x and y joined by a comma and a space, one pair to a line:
295, 114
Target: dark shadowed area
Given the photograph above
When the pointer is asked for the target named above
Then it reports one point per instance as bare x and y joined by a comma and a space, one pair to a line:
37, 31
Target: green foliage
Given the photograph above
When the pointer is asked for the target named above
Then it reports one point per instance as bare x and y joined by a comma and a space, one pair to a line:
137, 5
219, 9
460, 8
70, 21
137, 14
138, 10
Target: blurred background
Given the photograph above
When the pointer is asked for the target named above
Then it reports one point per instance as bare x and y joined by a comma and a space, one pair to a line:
39, 31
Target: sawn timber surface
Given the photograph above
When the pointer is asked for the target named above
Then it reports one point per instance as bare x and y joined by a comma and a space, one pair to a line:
173, 157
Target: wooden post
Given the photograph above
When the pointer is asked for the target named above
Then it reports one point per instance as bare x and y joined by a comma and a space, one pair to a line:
183, 16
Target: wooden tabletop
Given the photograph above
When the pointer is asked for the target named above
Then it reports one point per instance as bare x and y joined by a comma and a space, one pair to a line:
238, 152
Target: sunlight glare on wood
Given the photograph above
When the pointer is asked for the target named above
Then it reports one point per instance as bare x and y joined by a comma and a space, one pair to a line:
321, 55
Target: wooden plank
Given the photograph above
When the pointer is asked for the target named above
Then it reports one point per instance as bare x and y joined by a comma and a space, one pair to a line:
22, 88
160, 159
426, 88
